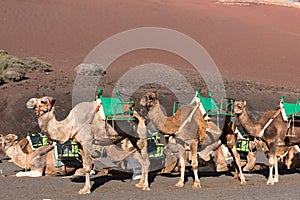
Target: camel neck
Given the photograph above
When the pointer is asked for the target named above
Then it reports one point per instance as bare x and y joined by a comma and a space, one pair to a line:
252, 128
157, 116
56, 130
17, 155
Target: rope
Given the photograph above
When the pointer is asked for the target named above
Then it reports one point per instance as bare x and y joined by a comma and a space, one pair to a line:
188, 119
45, 152
284, 154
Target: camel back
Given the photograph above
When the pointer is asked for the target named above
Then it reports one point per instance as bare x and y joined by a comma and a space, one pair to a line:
211, 107
114, 108
290, 109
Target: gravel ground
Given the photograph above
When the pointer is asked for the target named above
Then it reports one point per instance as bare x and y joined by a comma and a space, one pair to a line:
214, 186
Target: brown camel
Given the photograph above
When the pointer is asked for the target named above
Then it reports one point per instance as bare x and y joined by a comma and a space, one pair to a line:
271, 132
85, 126
39, 161
187, 128
228, 139
284, 154
225, 136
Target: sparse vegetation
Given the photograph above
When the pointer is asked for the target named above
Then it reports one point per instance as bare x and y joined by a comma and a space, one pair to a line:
35, 64
13, 68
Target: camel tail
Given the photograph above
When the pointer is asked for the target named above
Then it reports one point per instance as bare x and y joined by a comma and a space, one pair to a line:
201, 128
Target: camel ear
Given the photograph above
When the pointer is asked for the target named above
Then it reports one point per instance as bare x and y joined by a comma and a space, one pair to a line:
52, 100
154, 95
244, 103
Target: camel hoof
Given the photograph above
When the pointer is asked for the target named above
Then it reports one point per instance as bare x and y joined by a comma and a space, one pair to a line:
196, 186
270, 182
179, 184
243, 183
139, 185
146, 188
84, 191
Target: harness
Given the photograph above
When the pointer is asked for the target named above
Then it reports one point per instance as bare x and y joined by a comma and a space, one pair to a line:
179, 140
261, 133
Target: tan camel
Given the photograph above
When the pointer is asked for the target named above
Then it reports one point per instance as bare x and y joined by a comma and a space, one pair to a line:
187, 128
84, 125
273, 134
40, 161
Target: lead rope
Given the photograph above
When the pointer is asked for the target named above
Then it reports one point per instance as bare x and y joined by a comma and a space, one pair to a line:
25, 162
293, 127
188, 119
88, 121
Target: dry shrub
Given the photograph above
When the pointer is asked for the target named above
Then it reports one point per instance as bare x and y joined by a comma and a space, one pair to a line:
35, 64
13, 68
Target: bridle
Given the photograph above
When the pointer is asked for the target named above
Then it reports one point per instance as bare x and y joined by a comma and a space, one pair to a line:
46, 105
150, 102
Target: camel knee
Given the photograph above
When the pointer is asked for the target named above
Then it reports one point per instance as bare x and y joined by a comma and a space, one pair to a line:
272, 160
195, 164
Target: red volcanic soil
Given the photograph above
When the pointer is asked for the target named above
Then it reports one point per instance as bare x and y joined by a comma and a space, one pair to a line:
256, 43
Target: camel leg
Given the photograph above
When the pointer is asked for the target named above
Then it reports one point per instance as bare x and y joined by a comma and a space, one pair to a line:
237, 161
182, 162
270, 179
33, 173
272, 162
288, 161
276, 176
194, 158
87, 165
144, 160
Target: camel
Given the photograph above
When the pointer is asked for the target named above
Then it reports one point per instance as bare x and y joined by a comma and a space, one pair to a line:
228, 139
85, 126
284, 154
187, 129
272, 129
225, 136
39, 161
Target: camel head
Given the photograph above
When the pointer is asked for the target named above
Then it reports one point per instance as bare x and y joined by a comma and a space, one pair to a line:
239, 107
41, 105
148, 100
8, 140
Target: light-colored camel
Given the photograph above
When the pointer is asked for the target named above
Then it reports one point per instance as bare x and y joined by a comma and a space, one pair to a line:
39, 161
84, 125
272, 135
187, 128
